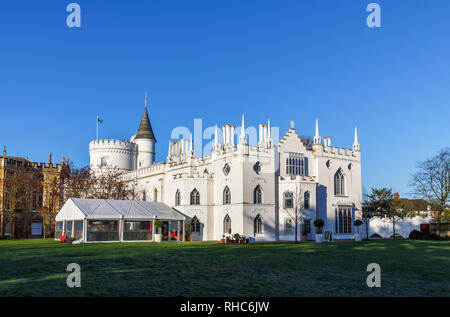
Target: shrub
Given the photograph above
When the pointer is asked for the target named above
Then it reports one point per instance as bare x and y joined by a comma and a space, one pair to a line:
431, 236
319, 223
397, 236
376, 236
415, 234
357, 223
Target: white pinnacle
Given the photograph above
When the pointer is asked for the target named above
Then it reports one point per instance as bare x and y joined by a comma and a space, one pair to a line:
317, 128
215, 136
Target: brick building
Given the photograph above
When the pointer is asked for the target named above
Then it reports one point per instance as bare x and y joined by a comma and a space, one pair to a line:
36, 204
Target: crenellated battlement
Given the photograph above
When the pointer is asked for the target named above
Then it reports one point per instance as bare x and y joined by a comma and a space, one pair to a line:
113, 143
339, 152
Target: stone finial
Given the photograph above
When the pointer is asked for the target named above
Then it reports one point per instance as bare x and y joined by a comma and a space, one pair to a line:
4, 151
49, 158
292, 124
62, 160
67, 161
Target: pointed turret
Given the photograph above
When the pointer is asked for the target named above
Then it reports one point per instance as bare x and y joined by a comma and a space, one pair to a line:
145, 139
145, 128
243, 136
317, 136
355, 142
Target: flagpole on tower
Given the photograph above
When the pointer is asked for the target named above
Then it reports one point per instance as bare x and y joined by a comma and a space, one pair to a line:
97, 127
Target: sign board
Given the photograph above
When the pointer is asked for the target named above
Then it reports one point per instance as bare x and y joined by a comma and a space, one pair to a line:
327, 236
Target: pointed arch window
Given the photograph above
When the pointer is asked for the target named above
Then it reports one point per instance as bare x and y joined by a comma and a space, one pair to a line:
195, 224
258, 225
288, 200
155, 194
227, 224
339, 183
195, 197
226, 196
257, 195
177, 198
307, 197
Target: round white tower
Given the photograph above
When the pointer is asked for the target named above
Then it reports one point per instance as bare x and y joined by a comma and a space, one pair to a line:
112, 154
145, 140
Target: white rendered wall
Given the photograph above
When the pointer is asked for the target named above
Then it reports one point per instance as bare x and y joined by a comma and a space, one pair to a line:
403, 227
146, 152
118, 154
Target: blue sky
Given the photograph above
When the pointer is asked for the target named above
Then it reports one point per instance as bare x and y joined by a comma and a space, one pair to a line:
278, 60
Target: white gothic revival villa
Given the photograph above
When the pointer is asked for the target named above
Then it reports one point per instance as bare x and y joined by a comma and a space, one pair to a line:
238, 188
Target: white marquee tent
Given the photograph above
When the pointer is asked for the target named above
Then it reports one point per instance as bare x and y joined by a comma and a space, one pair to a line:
94, 220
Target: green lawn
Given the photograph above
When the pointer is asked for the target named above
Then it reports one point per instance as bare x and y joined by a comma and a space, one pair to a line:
409, 268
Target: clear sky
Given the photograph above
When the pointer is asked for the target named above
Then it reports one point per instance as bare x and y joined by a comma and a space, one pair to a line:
216, 59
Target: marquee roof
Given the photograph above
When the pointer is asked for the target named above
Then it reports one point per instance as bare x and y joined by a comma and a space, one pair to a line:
79, 208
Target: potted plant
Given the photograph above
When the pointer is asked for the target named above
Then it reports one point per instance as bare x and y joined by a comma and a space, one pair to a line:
242, 240
304, 236
357, 223
158, 227
223, 239
188, 230
236, 237
319, 223
228, 239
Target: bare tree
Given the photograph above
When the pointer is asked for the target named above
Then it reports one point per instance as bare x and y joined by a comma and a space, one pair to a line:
53, 203
110, 184
432, 181
296, 213
20, 183
107, 184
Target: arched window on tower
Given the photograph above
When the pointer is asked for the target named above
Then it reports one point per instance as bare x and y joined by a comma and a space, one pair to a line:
227, 225
195, 197
226, 196
155, 194
177, 198
307, 200
339, 183
288, 200
195, 224
258, 225
257, 195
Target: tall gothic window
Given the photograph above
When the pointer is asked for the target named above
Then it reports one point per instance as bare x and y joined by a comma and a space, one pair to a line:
339, 183
195, 225
296, 164
258, 225
257, 195
288, 200
177, 198
195, 197
343, 220
227, 224
307, 200
226, 196
155, 194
